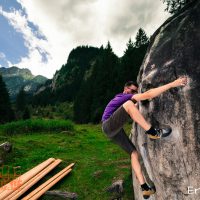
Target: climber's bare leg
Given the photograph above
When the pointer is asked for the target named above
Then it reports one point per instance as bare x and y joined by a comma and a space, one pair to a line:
135, 114
137, 167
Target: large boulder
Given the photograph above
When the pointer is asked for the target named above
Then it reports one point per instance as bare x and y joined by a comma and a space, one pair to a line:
172, 164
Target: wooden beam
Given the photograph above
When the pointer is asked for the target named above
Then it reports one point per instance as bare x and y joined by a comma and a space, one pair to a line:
19, 181
48, 184
41, 192
17, 193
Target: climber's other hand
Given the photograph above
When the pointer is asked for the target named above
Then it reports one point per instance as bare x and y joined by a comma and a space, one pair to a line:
182, 81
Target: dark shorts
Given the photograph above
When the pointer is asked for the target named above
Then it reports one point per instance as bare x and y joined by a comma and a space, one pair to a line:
113, 127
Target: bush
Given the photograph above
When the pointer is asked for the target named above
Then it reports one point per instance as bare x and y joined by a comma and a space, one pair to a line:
36, 125
59, 111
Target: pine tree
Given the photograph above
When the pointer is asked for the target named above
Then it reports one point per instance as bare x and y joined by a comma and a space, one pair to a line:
26, 114
21, 100
133, 57
108, 47
141, 38
130, 47
173, 6
22, 111
6, 112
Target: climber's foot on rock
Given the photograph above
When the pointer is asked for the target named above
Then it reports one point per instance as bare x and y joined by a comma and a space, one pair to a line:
160, 133
147, 193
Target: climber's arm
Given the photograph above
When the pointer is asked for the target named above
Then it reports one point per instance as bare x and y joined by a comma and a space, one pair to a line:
159, 90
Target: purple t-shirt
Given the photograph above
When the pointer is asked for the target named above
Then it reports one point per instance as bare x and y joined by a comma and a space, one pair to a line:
115, 103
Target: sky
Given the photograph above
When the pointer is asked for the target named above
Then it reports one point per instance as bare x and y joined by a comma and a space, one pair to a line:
39, 34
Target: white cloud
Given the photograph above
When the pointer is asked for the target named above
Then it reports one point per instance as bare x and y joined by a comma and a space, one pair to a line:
2, 55
36, 46
3, 60
69, 23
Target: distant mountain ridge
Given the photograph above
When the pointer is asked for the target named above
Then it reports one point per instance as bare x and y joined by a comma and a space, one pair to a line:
16, 78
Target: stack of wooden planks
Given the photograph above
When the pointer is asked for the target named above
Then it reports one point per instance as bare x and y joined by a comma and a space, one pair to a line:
18, 186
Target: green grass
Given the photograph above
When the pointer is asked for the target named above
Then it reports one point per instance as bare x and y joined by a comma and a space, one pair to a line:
99, 162
36, 125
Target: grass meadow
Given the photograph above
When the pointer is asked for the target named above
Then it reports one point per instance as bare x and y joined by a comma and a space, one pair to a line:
99, 162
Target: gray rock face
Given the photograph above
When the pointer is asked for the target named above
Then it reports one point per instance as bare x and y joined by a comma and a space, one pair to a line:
172, 163
116, 189
5, 148
59, 195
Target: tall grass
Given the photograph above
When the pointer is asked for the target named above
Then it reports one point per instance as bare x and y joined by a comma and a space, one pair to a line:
36, 125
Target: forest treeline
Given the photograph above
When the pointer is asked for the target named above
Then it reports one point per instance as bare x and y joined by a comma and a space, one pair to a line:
87, 82
92, 76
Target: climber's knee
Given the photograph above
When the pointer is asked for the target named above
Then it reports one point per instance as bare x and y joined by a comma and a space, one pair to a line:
135, 155
128, 105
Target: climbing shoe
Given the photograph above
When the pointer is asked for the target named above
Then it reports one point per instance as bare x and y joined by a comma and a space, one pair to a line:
147, 193
160, 133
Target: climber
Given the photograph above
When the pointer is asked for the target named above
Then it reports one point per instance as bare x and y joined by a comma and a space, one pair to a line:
118, 112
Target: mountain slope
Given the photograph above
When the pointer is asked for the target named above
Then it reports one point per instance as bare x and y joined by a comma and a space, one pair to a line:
67, 81
16, 78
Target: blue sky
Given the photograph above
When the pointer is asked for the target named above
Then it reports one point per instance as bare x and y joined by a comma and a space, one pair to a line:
39, 34
9, 38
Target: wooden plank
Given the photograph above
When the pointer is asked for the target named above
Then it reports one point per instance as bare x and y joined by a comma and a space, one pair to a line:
19, 181
17, 193
41, 192
38, 189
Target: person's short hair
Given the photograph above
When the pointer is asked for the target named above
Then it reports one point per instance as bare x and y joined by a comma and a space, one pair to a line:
129, 83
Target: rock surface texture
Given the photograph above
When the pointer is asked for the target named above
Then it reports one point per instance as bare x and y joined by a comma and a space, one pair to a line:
59, 195
172, 163
5, 148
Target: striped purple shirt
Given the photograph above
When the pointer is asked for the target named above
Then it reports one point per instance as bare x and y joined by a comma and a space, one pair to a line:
114, 104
